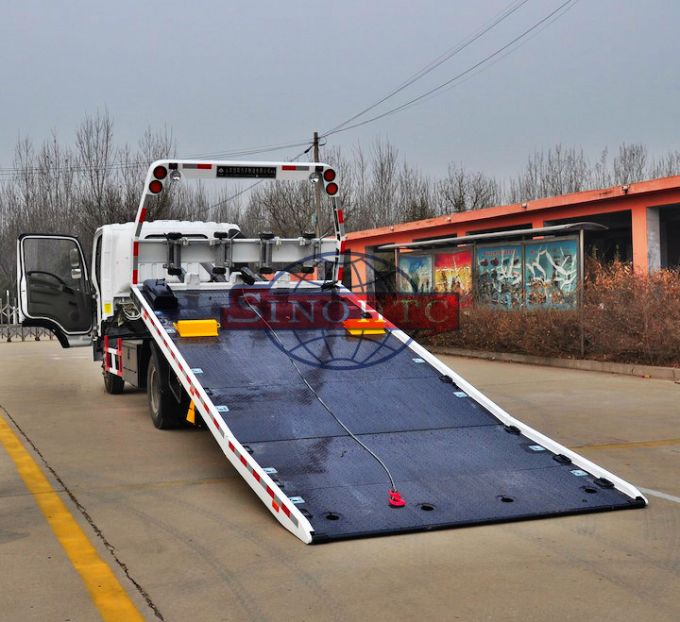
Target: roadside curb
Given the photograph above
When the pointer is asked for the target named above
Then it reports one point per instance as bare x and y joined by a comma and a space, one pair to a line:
628, 369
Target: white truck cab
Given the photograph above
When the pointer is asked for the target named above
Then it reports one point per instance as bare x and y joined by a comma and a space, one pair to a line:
112, 257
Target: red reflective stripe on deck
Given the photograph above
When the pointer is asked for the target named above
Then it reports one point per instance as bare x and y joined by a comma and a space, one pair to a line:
142, 215
135, 249
256, 475
289, 167
270, 492
341, 216
231, 446
244, 462
134, 277
286, 511
204, 166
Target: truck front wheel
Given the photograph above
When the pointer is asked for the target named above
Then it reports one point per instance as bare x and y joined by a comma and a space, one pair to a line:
166, 412
113, 384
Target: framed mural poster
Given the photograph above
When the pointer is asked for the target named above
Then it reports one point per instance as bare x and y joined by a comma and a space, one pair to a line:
453, 274
415, 273
498, 279
551, 273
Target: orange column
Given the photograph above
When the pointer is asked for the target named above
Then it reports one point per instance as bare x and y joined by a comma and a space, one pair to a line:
358, 267
639, 232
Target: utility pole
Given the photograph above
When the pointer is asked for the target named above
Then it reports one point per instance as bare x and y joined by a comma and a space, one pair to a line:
317, 189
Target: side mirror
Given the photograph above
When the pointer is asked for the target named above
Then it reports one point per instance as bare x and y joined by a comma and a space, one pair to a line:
74, 257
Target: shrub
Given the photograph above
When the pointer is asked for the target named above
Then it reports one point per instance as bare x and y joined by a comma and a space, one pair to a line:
625, 317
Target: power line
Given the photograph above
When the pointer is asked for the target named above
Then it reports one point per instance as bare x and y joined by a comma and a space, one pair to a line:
464, 73
504, 55
250, 187
432, 65
342, 127
253, 151
9, 171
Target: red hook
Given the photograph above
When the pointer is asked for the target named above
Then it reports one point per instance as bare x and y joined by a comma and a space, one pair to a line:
395, 499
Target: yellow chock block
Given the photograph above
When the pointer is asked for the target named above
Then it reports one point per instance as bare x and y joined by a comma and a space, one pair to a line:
197, 328
191, 414
368, 326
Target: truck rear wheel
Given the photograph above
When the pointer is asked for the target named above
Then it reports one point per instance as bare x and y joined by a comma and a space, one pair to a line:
166, 411
113, 384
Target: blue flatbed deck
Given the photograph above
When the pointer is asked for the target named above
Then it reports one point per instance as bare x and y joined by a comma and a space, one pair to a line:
454, 462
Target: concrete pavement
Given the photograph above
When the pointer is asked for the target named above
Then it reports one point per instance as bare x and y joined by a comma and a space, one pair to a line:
188, 538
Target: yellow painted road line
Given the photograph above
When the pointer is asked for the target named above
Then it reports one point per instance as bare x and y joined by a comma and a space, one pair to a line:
632, 445
108, 594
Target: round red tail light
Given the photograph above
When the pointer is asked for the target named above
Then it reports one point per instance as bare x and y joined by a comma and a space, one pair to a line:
160, 172
155, 186
329, 174
332, 188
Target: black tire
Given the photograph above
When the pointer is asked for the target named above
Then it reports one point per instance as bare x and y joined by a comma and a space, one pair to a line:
166, 413
113, 384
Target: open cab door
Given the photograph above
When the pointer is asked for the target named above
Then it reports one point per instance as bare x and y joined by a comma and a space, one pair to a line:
54, 287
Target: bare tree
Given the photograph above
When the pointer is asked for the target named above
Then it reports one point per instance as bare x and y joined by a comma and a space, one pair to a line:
560, 170
630, 164
461, 191
59, 187
666, 166
95, 152
601, 175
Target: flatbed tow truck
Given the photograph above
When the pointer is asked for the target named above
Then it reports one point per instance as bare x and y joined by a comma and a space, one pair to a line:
398, 445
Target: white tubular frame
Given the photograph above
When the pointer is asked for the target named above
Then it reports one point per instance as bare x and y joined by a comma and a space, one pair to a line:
221, 170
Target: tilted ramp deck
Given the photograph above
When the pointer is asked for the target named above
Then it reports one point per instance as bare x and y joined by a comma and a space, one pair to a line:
456, 457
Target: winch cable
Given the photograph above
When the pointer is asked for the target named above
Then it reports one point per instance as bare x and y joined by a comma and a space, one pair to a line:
394, 497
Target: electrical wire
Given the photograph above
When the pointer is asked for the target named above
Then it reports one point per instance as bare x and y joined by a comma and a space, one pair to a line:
254, 150
432, 65
248, 188
10, 171
7, 172
469, 70
504, 55
321, 401
497, 55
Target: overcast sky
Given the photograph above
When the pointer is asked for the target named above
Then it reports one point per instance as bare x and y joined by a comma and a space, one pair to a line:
229, 75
